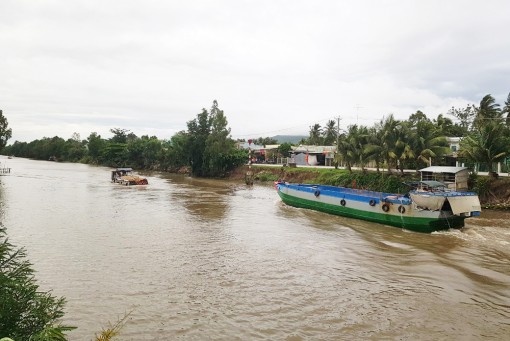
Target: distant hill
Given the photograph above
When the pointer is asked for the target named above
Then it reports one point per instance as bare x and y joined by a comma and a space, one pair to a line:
289, 138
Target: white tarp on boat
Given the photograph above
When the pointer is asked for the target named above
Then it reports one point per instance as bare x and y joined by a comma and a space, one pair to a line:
464, 204
430, 202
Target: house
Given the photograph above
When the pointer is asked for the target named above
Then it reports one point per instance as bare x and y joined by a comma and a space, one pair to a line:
313, 155
260, 153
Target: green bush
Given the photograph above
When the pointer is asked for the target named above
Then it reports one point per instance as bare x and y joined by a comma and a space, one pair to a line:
25, 312
266, 176
390, 183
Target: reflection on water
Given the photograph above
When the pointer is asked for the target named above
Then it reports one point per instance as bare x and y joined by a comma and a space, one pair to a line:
204, 199
209, 259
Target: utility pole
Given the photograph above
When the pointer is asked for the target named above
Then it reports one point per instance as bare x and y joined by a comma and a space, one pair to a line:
337, 140
357, 107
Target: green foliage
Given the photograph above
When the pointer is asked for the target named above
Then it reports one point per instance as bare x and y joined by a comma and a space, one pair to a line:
5, 131
380, 182
119, 135
489, 144
264, 141
212, 152
465, 117
114, 154
284, 149
266, 176
482, 186
330, 133
206, 148
95, 145
25, 312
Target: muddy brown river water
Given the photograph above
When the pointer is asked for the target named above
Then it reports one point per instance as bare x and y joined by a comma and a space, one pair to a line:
196, 259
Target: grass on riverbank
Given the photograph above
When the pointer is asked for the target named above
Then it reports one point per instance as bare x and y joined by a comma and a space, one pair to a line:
382, 182
493, 193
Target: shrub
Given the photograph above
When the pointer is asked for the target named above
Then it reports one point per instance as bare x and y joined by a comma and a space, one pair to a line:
25, 312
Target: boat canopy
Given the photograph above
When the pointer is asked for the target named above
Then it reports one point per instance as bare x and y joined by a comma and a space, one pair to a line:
429, 202
124, 169
465, 204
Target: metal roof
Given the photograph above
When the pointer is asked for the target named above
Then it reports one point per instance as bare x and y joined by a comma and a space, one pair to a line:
313, 149
443, 169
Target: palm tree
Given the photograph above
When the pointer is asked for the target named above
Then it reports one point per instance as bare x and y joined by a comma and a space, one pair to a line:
488, 110
389, 138
403, 150
488, 144
429, 143
330, 132
352, 147
315, 134
374, 146
345, 151
506, 110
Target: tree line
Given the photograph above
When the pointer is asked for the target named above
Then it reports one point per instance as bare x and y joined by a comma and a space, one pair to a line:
484, 131
206, 147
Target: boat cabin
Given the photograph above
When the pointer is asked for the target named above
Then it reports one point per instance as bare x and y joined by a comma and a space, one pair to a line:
123, 176
117, 173
454, 178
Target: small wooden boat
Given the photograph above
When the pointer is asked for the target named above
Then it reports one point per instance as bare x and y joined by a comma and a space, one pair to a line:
419, 210
124, 176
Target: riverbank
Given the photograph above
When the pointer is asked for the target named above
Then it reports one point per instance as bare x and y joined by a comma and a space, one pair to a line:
493, 193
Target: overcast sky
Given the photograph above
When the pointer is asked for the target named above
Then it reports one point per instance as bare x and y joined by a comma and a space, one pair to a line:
275, 67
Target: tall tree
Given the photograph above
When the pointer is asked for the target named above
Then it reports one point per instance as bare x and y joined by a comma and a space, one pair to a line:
389, 139
488, 144
488, 110
95, 145
330, 132
428, 143
175, 153
446, 127
218, 144
506, 110
315, 135
5, 131
198, 131
464, 116
119, 135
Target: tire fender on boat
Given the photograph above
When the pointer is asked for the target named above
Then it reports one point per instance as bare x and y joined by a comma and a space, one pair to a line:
317, 193
385, 207
402, 209
371, 202
342, 202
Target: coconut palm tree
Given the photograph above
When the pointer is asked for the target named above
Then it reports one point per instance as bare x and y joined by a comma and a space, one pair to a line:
330, 132
389, 138
315, 134
374, 146
346, 152
506, 110
487, 111
488, 144
428, 143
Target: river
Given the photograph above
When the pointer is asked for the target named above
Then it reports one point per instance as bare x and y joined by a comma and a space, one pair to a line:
197, 259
